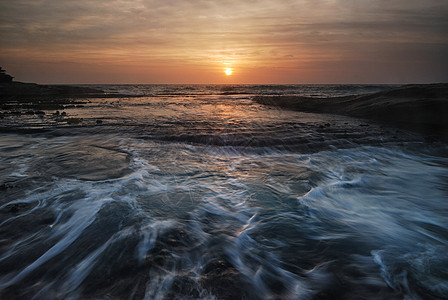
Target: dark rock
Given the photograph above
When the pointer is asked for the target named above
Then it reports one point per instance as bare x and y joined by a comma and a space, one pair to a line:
223, 280
5, 77
4, 187
16, 207
74, 120
421, 108
20, 89
184, 288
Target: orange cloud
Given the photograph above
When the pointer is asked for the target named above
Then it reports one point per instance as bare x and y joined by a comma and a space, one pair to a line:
192, 41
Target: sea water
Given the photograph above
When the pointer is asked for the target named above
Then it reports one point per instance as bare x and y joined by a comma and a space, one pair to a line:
196, 192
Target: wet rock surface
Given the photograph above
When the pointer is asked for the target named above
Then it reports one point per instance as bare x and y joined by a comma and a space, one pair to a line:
421, 108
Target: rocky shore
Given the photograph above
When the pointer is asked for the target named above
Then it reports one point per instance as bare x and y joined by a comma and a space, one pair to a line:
18, 89
422, 108
19, 96
31, 98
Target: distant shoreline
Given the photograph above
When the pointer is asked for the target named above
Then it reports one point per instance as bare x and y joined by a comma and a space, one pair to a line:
17, 89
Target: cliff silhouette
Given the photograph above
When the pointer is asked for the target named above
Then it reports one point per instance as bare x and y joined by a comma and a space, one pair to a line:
5, 77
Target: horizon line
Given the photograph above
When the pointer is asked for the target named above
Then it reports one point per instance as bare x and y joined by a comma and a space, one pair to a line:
372, 83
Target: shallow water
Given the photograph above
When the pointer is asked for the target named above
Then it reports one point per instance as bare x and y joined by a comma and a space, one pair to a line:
215, 197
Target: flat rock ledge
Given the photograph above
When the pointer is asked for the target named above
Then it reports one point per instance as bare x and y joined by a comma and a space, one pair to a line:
422, 108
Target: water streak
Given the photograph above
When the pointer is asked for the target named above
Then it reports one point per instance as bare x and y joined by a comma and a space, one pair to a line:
215, 197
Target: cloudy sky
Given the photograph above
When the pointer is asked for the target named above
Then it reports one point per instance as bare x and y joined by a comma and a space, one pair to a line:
265, 41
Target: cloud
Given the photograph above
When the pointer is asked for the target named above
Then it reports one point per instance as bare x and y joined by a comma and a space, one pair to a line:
205, 32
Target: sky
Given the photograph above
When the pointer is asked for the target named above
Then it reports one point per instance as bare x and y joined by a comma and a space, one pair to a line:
195, 41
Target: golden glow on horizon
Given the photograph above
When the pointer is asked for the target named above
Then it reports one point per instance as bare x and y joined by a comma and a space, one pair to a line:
267, 43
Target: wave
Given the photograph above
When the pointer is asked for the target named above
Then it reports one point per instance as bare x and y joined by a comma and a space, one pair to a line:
211, 222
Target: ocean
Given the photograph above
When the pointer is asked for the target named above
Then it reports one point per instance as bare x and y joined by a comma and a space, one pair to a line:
197, 192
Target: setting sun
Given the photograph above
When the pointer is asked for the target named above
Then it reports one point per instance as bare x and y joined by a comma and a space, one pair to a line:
228, 71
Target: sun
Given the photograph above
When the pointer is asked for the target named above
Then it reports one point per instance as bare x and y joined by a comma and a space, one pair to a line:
228, 71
